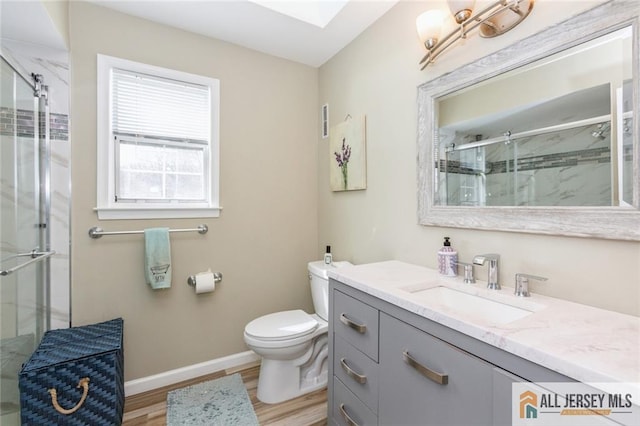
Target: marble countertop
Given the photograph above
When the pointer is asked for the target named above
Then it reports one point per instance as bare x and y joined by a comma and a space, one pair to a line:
582, 342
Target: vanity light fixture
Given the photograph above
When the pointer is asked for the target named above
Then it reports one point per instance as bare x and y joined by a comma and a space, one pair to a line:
494, 20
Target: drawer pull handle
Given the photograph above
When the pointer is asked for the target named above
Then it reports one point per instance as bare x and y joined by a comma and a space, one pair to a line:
360, 378
84, 384
346, 417
360, 328
441, 379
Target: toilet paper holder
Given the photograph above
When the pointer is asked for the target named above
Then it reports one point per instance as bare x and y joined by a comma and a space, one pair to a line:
217, 277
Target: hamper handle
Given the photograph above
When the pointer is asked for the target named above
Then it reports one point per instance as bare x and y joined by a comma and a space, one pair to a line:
84, 383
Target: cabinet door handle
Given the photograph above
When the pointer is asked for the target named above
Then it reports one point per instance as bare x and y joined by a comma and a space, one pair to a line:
346, 417
360, 378
360, 328
441, 379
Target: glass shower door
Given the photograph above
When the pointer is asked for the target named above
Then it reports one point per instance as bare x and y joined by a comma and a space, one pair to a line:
23, 237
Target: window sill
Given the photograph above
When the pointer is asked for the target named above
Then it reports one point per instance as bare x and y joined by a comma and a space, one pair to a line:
111, 213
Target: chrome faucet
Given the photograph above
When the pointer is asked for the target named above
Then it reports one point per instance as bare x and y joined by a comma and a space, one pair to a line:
492, 270
468, 272
522, 284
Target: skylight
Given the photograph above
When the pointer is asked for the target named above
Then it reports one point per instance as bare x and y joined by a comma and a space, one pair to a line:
315, 12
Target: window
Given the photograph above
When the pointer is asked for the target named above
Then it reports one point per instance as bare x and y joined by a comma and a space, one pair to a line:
157, 142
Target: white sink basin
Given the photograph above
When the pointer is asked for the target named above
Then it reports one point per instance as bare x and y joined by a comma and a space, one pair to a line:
470, 306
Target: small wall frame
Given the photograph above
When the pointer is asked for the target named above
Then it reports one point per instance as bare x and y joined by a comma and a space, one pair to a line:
347, 150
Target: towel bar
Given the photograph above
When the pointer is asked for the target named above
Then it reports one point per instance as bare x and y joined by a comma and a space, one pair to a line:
97, 232
36, 256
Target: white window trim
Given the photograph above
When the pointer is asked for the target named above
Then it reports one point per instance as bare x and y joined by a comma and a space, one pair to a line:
106, 207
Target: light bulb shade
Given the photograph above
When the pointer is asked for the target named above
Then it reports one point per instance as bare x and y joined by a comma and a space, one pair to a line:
429, 26
461, 9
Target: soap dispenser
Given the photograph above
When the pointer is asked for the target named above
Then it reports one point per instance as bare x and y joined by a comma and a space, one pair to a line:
328, 259
447, 259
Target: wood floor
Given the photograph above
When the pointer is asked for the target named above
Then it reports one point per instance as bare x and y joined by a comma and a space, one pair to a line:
149, 408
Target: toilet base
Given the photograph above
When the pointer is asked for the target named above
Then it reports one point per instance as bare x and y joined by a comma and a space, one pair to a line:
277, 383
281, 380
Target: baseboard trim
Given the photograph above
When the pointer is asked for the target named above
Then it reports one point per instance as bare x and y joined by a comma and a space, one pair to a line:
144, 384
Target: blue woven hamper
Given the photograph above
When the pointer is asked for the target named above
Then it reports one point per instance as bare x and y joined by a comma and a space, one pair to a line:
75, 377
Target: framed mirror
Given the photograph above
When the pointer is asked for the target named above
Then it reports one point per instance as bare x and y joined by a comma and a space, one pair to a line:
540, 137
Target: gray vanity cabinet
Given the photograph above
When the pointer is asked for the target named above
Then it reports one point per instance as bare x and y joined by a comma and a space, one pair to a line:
391, 367
426, 381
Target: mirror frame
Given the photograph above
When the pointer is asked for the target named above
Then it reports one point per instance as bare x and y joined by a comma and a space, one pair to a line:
595, 222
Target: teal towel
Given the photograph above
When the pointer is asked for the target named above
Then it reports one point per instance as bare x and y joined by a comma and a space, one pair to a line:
157, 258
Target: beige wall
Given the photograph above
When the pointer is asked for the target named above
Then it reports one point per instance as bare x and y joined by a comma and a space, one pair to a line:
58, 11
267, 231
377, 75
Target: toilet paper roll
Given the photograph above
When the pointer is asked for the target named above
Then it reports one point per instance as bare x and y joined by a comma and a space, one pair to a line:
205, 282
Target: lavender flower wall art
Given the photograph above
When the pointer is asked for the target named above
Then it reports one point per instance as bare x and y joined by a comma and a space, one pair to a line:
347, 148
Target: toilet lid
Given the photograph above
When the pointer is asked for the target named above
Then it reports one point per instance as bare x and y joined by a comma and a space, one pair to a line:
282, 325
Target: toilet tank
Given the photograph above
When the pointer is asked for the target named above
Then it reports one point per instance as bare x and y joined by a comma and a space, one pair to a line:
319, 281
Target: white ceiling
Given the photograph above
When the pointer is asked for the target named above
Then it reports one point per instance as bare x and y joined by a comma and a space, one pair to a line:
28, 21
250, 25
241, 22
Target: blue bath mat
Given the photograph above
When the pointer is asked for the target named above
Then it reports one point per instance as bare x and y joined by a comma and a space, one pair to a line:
223, 402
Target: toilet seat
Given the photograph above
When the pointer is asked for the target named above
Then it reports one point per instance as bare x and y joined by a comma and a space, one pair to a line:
285, 325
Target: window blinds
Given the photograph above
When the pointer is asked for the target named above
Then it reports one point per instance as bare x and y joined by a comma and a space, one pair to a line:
151, 106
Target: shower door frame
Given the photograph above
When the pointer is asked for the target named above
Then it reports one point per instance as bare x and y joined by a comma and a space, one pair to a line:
38, 297
41, 135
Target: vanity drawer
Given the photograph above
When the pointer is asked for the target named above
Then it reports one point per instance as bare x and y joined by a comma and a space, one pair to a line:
357, 371
348, 410
426, 378
357, 323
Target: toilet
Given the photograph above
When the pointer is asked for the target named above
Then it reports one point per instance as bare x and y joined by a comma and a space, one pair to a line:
294, 344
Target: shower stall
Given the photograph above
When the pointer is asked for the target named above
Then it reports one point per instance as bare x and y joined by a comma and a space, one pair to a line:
24, 226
